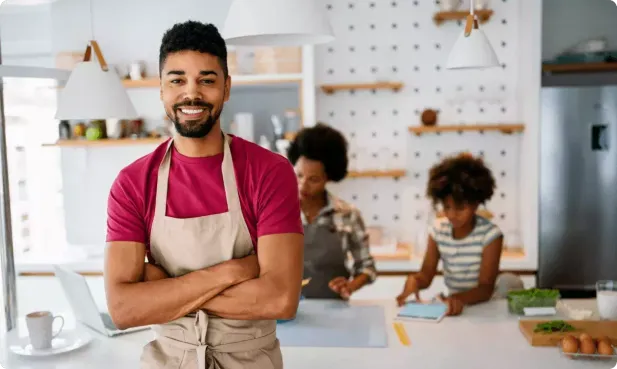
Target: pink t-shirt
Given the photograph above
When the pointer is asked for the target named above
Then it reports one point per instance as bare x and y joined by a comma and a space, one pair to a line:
266, 182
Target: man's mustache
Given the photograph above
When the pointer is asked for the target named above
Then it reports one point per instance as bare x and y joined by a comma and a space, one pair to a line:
194, 103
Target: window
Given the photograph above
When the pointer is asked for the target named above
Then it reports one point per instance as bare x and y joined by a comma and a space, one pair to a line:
35, 176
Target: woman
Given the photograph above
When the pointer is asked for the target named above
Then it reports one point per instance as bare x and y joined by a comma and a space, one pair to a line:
333, 229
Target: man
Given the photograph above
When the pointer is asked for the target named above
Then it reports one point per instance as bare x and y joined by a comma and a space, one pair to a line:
218, 218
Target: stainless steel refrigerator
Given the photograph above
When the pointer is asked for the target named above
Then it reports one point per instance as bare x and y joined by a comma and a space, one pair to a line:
578, 184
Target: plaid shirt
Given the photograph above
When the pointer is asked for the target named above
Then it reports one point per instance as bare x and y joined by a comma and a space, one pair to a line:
348, 221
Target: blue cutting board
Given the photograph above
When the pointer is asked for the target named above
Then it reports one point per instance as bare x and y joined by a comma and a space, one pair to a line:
332, 323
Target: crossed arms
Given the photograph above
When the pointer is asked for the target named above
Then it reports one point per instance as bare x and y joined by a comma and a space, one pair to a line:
266, 286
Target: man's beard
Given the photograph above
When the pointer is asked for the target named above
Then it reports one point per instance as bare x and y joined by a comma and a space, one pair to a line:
194, 128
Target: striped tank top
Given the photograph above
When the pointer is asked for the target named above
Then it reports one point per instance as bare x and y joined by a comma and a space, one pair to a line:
461, 258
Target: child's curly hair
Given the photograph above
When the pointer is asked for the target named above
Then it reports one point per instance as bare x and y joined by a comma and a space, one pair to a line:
463, 177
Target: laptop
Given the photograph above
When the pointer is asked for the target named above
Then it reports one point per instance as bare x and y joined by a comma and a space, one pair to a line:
83, 305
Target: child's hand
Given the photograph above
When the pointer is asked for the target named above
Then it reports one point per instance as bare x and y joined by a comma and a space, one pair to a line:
455, 306
411, 287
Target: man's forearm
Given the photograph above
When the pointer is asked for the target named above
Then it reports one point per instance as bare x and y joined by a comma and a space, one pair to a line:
475, 295
259, 298
164, 300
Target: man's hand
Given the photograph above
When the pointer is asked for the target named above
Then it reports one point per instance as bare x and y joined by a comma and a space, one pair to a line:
154, 272
275, 293
341, 286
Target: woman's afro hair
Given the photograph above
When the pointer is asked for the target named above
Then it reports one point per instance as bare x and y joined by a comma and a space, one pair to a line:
324, 144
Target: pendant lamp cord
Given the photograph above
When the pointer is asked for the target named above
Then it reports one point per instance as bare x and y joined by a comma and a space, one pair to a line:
472, 8
91, 20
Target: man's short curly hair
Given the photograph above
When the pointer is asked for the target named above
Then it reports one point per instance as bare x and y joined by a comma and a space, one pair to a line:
195, 36
463, 177
324, 144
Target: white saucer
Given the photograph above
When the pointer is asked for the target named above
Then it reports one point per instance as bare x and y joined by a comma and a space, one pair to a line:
66, 341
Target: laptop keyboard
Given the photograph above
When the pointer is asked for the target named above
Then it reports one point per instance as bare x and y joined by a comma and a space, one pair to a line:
109, 324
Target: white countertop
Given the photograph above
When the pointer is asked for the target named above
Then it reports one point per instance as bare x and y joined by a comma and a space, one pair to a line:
485, 336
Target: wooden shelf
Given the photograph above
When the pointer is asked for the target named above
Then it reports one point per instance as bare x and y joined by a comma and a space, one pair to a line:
107, 142
402, 253
395, 173
482, 15
481, 212
513, 254
504, 128
330, 89
239, 80
579, 68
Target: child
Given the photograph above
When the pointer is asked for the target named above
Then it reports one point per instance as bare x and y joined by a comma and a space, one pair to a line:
469, 245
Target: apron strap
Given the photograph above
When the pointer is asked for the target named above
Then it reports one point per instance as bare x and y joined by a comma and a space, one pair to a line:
162, 184
229, 178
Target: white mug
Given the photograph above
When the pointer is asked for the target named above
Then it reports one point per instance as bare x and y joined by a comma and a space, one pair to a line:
40, 329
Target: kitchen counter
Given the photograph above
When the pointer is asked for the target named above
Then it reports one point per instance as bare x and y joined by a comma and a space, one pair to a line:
485, 336
90, 262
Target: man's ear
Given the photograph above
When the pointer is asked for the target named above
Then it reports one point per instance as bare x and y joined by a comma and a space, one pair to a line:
227, 88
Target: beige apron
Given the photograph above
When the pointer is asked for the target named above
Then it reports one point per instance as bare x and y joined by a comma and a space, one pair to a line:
200, 341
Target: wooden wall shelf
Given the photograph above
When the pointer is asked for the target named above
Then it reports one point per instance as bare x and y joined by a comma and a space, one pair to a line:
402, 253
330, 89
503, 128
107, 142
377, 173
482, 15
579, 68
238, 80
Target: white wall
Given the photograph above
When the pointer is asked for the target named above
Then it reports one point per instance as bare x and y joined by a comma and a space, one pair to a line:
398, 41
25, 33
568, 22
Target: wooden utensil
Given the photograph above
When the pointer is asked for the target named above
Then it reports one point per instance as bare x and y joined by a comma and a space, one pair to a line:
401, 333
594, 328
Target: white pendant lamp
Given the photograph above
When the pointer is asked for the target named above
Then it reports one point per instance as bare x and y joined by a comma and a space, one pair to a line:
93, 91
277, 23
472, 49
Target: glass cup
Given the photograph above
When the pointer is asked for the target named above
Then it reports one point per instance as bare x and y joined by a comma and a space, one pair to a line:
606, 298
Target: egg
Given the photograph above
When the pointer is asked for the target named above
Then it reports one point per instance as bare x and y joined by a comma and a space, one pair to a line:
569, 344
588, 346
604, 339
584, 336
605, 348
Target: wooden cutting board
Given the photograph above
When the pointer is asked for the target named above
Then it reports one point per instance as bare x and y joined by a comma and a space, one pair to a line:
594, 328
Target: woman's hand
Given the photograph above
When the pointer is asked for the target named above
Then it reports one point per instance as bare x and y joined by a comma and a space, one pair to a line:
341, 286
411, 287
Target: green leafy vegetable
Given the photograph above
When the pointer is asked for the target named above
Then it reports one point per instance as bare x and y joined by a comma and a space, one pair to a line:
554, 326
534, 297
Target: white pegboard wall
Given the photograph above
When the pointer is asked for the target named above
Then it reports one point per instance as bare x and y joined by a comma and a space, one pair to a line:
397, 40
